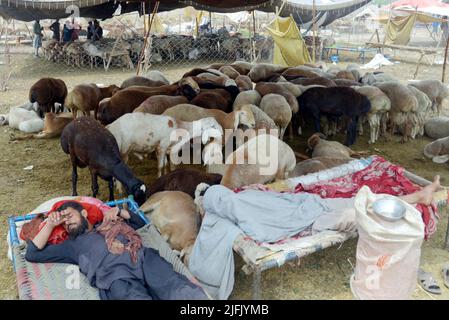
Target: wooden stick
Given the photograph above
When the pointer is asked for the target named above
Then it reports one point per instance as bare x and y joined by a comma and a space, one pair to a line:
418, 64
314, 30
142, 52
445, 60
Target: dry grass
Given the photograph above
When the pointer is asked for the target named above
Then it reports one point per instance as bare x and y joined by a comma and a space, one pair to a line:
324, 275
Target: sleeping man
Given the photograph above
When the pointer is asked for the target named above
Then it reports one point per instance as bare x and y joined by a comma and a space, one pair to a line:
111, 255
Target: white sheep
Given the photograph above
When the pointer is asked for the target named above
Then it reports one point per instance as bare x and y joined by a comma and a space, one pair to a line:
424, 106
260, 160
438, 150
436, 90
144, 133
278, 109
247, 97
404, 106
380, 105
24, 118
437, 128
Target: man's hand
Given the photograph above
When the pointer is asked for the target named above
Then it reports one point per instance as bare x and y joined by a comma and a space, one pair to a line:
55, 219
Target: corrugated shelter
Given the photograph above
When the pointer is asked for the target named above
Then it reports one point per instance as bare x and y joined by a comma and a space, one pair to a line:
289, 49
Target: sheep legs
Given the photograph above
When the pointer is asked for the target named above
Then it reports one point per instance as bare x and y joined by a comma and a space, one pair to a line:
74, 178
94, 184
111, 189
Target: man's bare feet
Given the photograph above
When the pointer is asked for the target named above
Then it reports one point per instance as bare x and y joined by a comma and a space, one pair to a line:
425, 195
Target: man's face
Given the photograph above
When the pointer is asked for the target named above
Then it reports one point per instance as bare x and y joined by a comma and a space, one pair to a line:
75, 224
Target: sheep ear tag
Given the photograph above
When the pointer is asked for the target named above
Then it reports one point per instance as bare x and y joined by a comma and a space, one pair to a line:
143, 188
441, 159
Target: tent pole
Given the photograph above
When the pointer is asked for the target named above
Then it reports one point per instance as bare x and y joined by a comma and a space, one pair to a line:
145, 42
253, 41
314, 30
445, 60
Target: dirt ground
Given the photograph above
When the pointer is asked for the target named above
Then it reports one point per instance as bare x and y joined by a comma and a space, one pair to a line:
323, 275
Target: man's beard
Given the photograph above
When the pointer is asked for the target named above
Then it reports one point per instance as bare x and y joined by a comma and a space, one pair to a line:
81, 229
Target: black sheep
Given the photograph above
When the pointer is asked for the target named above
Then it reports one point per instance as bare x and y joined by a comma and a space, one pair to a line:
185, 180
335, 102
91, 145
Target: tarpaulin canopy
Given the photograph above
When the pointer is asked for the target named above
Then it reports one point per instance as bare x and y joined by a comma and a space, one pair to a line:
398, 30
302, 10
289, 49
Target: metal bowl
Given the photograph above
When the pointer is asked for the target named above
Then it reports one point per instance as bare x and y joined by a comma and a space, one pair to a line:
389, 209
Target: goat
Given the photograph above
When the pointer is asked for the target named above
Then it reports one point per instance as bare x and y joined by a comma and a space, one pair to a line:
90, 144
46, 92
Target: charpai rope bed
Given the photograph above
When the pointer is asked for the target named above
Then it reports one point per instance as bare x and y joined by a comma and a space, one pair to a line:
58, 281
263, 256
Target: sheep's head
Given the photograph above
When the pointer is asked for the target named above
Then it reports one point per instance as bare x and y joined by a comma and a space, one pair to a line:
212, 152
139, 192
188, 88
210, 128
314, 140
245, 117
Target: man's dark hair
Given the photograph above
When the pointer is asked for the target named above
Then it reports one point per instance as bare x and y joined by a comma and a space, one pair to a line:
84, 223
71, 204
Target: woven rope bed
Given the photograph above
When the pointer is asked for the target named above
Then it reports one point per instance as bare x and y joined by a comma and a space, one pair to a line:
261, 257
55, 281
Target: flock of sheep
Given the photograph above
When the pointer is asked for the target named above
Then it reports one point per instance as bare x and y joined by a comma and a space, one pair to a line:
262, 102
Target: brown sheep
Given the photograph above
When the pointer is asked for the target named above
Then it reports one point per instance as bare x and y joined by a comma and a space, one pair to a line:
300, 71
175, 215
314, 81
125, 101
317, 164
141, 81
158, 104
46, 92
185, 180
86, 97
214, 99
229, 71
346, 83
53, 126
344, 74
244, 83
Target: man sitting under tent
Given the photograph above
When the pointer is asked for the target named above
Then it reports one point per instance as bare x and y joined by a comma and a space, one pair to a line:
111, 255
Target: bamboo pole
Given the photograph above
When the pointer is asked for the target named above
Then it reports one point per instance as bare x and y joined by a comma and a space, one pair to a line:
144, 48
314, 30
253, 41
445, 60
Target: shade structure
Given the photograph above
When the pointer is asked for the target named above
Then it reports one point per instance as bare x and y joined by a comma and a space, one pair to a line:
289, 49
301, 10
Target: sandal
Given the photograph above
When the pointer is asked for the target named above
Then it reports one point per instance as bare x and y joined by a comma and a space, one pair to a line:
446, 275
427, 282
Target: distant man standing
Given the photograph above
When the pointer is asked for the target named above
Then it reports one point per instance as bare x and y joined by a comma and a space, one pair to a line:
445, 29
55, 27
37, 41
